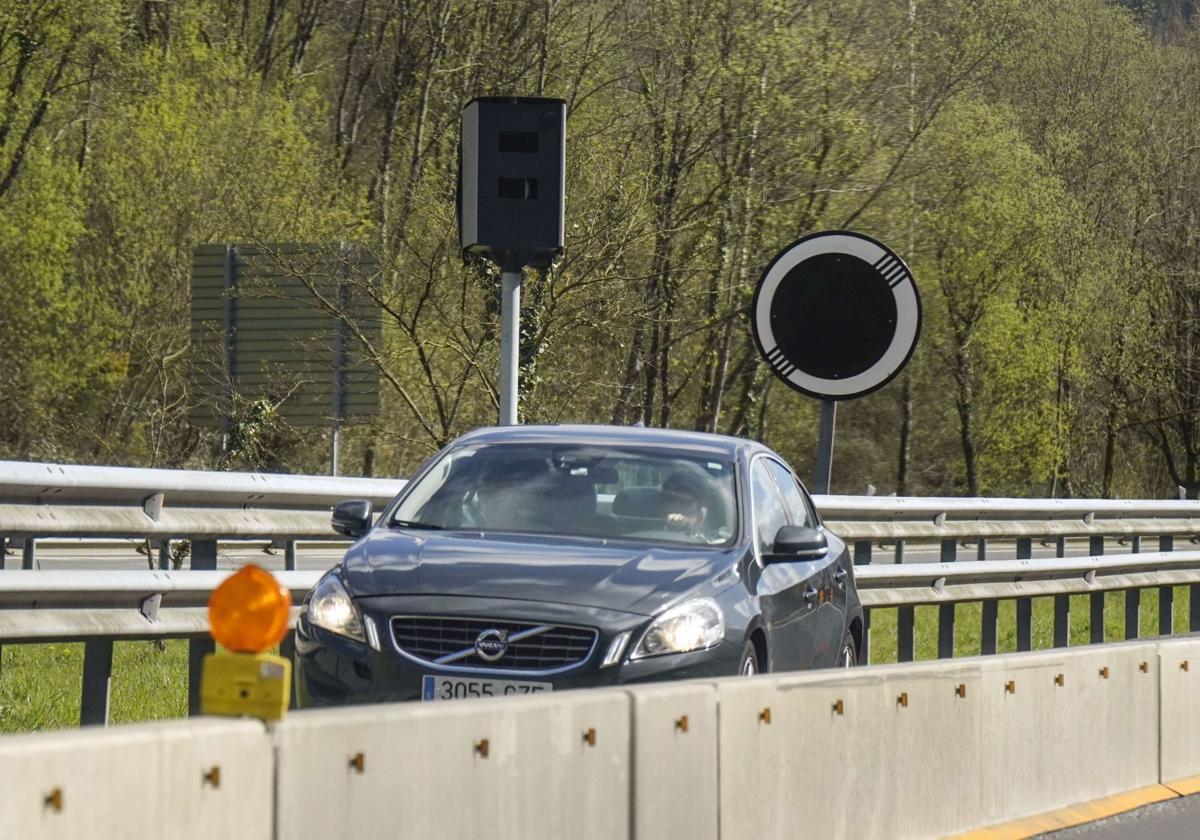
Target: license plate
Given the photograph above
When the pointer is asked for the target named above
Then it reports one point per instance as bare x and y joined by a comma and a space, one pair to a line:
453, 688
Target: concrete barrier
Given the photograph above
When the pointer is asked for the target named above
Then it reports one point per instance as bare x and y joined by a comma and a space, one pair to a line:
835, 754
1063, 727
932, 717
1179, 752
675, 761
182, 779
525, 768
902, 751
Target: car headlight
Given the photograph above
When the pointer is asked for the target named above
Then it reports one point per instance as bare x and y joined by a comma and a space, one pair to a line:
694, 625
330, 608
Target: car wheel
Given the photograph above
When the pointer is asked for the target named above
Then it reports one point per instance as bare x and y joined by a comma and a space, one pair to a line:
848, 657
749, 662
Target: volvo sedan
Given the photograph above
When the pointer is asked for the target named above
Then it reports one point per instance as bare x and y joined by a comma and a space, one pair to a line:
537, 558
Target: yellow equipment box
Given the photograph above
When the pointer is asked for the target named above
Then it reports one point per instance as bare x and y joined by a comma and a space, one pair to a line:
253, 684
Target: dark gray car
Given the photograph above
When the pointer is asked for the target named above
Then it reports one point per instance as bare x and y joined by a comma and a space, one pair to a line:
536, 558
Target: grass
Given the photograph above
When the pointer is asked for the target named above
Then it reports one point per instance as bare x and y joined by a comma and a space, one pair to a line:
967, 624
40, 684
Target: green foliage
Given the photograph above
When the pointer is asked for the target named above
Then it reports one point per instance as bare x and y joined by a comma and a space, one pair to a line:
1033, 162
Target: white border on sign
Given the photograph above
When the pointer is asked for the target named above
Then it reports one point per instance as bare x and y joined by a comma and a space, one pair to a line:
908, 314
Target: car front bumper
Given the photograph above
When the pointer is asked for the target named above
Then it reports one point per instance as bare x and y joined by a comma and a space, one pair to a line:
332, 670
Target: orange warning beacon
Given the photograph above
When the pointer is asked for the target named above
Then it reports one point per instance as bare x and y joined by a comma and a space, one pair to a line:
247, 615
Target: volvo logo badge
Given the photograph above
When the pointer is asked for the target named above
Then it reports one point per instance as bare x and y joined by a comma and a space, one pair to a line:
491, 644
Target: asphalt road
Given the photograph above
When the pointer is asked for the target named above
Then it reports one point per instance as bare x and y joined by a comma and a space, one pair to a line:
1175, 819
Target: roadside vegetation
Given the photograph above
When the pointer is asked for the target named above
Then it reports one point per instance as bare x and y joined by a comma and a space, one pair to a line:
1034, 162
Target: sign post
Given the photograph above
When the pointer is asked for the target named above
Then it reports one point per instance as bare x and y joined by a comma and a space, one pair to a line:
836, 315
512, 167
510, 342
823, 478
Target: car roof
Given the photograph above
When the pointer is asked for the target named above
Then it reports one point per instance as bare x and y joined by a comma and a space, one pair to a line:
612, 436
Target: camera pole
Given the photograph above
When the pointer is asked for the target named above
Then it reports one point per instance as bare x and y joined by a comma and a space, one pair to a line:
510, 340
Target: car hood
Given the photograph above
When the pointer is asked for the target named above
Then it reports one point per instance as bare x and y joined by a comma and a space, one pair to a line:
620, 576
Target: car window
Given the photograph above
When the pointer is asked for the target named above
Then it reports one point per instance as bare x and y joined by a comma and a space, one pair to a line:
769, 514
576, 490
798, 509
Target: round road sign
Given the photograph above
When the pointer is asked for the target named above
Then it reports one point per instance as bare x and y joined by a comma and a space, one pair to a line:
836, 315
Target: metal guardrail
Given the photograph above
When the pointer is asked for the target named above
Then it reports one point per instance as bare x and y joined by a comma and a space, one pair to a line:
54, 502
59, 606
67, 500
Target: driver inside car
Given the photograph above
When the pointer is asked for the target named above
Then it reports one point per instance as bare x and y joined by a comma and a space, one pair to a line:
684, 506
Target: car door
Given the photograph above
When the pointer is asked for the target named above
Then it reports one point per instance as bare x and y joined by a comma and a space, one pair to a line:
830, 578
787, 596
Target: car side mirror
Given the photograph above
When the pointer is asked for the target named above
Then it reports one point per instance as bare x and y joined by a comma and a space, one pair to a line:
795, 542
352, 518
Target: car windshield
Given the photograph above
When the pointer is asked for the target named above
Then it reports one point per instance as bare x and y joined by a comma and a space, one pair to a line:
587, 491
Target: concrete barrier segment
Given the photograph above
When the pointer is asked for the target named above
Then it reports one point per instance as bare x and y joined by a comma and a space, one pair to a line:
178, 779
527, 768
1179, 664
675, 761
1064, 727
830, 754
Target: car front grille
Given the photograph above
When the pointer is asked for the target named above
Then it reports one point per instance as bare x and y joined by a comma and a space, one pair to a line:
450, 643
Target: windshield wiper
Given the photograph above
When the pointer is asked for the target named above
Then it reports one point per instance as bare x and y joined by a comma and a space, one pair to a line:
428, 526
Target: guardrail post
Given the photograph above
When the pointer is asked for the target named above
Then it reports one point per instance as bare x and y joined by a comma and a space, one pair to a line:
97, 682
28, 553
989, 611
204, 557
862, 557
288, 646
862, 553
1133, 601
904, 634
1096, 618
1024, 605
864, 655
164, 555
1166, 594
1062, 604
904, 620
1194, 608
946, 611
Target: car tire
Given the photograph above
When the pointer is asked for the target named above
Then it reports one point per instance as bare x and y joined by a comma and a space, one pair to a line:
748, 665
848, 655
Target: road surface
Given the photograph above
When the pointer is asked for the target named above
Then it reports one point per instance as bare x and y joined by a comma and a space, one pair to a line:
1175, 819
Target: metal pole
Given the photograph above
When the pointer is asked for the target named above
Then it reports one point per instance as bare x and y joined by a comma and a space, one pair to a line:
339, 359
97, 682
229, 331
824, 473
335, 434
510, 331
204, 558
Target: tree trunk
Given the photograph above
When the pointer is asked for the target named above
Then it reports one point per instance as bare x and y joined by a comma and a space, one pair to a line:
966, 419
1110, 447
